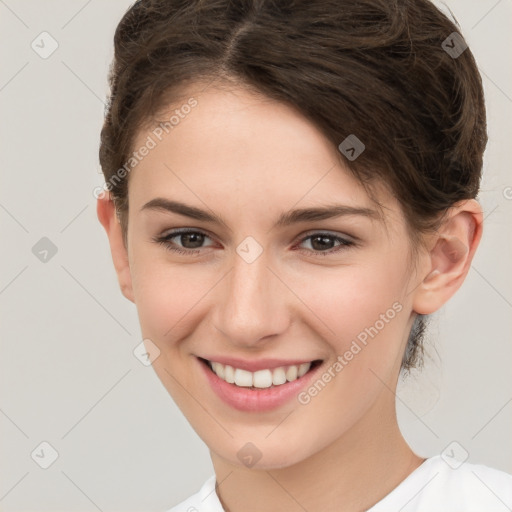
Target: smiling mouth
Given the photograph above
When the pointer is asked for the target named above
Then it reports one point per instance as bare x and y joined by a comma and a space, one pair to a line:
261, 379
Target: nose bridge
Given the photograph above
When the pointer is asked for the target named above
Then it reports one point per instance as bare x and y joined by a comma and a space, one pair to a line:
248, 309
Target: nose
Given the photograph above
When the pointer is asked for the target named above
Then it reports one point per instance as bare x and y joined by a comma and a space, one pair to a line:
251, 307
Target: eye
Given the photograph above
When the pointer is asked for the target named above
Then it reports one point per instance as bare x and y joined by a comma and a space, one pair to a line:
323, 244
191, 241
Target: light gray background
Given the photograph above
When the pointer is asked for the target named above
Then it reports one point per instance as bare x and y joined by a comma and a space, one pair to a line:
68, 374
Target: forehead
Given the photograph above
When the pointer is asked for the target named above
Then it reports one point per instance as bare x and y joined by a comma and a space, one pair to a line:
234, 123
235, 146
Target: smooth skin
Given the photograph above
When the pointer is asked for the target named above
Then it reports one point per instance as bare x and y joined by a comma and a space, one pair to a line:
248, 159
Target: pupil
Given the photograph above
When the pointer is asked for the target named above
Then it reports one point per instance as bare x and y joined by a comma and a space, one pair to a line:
196, 239
325, 242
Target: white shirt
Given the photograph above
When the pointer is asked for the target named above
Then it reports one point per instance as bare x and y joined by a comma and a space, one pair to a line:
432, 487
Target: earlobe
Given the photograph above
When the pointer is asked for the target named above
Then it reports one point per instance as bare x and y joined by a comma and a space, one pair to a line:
107, 216
450, 256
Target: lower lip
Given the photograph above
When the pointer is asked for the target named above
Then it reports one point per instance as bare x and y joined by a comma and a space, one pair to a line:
256, 400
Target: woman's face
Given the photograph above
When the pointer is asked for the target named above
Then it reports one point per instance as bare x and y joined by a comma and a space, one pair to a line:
260, 285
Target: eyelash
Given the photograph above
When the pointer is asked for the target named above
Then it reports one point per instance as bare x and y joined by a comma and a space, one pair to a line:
165, 241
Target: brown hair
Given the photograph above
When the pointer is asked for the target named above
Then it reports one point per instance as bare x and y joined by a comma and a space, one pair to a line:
389, 72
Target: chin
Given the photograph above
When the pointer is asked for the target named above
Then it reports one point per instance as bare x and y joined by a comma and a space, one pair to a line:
263, 455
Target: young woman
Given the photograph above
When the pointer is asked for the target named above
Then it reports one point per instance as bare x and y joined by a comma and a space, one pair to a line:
291, 191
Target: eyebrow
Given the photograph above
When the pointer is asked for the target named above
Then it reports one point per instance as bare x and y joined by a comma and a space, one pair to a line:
285, 219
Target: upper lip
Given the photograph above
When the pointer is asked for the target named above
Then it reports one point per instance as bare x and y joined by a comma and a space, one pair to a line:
255, 365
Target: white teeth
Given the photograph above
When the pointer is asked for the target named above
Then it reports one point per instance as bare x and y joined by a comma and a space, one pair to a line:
218, 369
303, 368
291, 373
278, 376
243, 378
229, 373
261, 378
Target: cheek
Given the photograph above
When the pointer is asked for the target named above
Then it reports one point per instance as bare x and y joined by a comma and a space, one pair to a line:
360, 304
366, 312
168, 297
169, 305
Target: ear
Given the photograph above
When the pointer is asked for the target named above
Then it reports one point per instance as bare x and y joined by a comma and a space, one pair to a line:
451, 251
108, 218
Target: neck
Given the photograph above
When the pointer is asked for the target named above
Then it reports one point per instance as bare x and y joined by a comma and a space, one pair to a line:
352, 474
